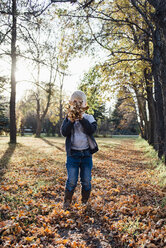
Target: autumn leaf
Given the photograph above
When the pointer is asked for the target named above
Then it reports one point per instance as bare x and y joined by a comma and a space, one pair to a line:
30, 239
75, 110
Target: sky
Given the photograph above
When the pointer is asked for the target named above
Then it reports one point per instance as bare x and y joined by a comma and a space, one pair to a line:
77, 67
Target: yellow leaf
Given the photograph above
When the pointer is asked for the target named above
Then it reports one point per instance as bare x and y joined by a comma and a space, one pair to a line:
47, 230
30, 238
66, 241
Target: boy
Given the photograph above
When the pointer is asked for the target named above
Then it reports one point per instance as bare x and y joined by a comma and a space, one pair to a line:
80, 145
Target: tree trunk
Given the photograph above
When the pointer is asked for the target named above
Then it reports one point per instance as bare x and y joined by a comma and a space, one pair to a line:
13, 79
60, 110
142, 114
40, 119
158, 93
159, 40
152, 138
39, 127
162, 24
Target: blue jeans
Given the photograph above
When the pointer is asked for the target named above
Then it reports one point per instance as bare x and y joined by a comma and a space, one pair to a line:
79, 161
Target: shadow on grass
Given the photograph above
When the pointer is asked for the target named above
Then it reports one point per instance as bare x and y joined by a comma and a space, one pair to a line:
4, 160
52, 144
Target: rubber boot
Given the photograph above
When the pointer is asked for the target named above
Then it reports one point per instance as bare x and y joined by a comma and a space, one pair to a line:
68, 198
85, 195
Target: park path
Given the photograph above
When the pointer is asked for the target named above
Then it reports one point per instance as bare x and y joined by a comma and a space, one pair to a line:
126, 208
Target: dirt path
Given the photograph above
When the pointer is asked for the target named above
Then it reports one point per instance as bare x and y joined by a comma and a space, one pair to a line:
125, 208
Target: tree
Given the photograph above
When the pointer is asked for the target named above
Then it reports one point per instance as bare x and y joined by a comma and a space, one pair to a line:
44, 58
13, 69
19, 11
13, 11
4, 120
91, 85
130, 54
124, 116
157, 28
58, 108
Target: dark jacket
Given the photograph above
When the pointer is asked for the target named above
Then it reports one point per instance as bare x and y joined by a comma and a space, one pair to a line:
89, 129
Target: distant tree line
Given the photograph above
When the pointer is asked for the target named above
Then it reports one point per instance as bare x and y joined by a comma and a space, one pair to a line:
121, 120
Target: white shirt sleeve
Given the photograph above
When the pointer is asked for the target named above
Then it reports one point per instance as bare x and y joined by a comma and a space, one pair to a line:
90, 118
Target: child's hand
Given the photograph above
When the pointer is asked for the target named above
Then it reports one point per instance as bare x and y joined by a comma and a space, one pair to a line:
70, 119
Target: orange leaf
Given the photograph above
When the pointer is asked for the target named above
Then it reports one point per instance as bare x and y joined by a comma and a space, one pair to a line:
66, 241
29, 239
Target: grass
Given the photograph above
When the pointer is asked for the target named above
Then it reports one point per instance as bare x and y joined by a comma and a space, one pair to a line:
132, 226
159, 168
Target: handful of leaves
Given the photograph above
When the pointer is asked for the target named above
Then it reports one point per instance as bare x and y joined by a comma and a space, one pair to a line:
76, 110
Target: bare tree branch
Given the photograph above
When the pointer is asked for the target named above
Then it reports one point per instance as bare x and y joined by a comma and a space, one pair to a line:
123, 60
87, 3
143, 15
136, 54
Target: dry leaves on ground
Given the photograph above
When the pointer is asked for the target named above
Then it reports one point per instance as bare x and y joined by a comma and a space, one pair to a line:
125, 208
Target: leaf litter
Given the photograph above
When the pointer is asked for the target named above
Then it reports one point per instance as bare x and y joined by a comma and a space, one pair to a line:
125, 209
